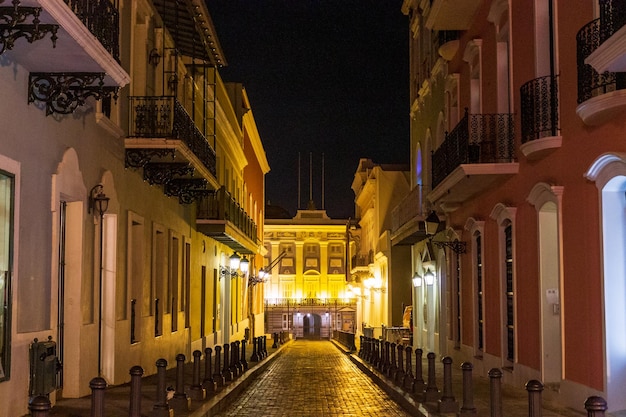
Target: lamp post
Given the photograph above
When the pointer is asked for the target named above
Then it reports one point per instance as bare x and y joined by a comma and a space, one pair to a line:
418, 309
98, 205
236, 267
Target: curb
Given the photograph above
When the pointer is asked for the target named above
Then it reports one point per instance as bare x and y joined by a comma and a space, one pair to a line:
228, 394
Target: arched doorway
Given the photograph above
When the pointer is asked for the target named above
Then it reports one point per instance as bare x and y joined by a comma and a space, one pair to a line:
312, 325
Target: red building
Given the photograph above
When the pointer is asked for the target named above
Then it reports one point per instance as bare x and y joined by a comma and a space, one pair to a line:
516, 146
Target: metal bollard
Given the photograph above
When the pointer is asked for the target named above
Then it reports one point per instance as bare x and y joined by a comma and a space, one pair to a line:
432, 392
233, 360
244, 362
255, 355
40, 406
275, 345
134, 409
418, 381
265, 346
181, 400
468, 389
238, 363
381, 360
447, 403
392, 366
595, 406
407, 382
534, 389
217, 376
97, 385
208, 383
399, 375
228, 375
196, 390
495, 384
161, 408
361, 339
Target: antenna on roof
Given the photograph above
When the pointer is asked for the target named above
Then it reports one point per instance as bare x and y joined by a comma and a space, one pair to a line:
322, 181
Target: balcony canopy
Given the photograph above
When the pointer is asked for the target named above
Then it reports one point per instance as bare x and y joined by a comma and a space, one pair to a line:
191, 27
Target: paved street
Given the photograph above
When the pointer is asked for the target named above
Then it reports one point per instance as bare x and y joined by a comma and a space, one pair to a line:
313, 378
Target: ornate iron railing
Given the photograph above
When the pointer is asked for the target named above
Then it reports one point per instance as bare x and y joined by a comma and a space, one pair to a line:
220, 205
590, 83
476, 139
540, 108
102, 18
165, 117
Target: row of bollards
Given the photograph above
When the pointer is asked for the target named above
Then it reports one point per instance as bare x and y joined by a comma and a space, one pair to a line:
216, 377
387, 358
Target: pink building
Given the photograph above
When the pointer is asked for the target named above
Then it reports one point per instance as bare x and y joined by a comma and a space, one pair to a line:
515, 145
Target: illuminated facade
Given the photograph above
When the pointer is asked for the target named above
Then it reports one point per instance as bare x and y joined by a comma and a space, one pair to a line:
379, 272
525, 272
306, 291
128, 177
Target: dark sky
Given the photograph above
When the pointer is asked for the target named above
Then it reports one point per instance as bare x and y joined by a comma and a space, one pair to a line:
324, 77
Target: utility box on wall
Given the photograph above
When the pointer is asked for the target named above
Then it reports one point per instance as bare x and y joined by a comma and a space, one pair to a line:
43, 367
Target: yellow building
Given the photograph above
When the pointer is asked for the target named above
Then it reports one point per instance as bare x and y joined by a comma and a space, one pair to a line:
306, 292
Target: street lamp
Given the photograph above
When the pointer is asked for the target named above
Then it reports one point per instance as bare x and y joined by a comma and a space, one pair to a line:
431, 226
236, 266
99, 204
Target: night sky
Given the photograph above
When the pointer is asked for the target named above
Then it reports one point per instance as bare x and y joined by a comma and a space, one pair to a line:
327, 79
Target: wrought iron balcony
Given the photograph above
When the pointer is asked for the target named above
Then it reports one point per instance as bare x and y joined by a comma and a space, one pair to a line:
479, 149
102, 18
164, 140
222, 218
610, 55
84, 34
590, 83
540, 116
540, 108
477, 139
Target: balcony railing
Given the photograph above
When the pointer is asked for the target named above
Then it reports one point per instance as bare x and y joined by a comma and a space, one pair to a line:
362, 260
590, 83
101, 17
309, 302
165, 117
476, 139
409, 208
540, 108
220, 205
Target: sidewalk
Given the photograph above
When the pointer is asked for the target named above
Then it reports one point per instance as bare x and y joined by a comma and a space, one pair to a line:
117, 397
514, 400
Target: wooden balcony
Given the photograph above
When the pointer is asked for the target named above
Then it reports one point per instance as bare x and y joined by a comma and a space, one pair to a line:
164, 141
477, 153
220, 217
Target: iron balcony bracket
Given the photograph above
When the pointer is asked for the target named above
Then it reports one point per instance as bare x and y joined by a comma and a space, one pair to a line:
163, 172
138, 158
12, 26
64, 92
187, 190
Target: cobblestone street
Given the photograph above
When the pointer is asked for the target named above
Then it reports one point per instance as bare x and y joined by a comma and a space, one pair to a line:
313, 378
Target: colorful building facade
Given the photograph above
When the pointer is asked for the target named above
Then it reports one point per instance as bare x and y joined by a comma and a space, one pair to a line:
124, 189
515, 129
